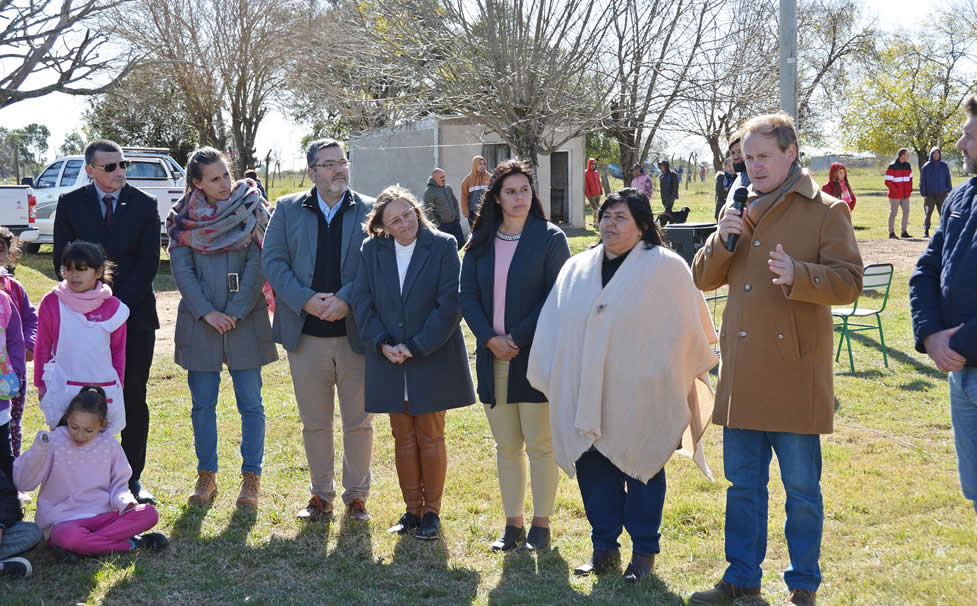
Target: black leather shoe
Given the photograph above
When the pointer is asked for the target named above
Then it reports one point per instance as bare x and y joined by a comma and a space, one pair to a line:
510, 539
639, 568
407, 522
430, 527
538, 539
151, 541
906, 235
143, 496
600, 562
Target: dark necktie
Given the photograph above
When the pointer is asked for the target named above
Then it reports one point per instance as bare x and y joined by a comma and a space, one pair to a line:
107, 201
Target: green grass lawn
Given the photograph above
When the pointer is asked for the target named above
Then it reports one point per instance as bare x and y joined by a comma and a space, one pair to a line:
897, 530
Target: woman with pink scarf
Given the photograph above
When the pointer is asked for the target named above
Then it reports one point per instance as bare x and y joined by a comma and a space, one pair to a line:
81, 336
216, 230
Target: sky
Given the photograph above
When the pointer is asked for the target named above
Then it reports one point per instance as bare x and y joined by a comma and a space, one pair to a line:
63, 113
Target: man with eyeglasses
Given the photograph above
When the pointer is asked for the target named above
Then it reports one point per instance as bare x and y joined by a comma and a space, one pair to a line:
311, 255
125, 222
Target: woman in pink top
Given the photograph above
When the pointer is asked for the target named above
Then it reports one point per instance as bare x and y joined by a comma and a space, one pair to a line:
511, 263
84, 506
81, 336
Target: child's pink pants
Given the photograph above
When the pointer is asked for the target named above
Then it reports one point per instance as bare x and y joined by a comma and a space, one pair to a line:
108, 532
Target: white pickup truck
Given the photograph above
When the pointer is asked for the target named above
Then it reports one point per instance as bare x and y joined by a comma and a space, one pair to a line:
151, 170
17, 205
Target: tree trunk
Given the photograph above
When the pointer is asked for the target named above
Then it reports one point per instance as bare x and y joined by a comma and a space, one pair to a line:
717, 152
922, 156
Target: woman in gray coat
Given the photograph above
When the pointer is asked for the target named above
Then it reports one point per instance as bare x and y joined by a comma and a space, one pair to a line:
407, 307
215, 234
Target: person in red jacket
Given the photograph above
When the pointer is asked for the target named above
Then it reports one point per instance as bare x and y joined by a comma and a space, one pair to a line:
592, 187
838, 186
899, 180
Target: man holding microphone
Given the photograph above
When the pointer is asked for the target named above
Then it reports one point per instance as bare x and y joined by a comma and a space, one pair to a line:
788, 256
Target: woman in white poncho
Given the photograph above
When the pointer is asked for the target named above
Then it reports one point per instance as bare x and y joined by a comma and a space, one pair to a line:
622, 351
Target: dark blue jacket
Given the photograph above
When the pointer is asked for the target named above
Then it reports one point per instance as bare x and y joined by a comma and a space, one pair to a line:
943, 290
539, 256
425, 316
934, 177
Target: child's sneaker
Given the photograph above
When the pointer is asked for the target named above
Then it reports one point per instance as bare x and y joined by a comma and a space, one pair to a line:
24, 498
15, 567
151, 541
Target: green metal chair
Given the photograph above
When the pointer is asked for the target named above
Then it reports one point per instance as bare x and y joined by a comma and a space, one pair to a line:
877, 279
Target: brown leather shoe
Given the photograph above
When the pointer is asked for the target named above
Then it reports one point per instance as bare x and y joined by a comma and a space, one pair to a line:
722, 592
356, 510
250, 487
640, 567
316, 510
802, 597
205, 490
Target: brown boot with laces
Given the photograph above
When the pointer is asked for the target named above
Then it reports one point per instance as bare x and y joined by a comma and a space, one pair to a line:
206, 489
250, 487
802, 597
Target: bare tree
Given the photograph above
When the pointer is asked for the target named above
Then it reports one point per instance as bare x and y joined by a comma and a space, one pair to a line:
526, 69
348, 84
222, 55
739, 73
735, 75
831, 40
47, 47
654, 45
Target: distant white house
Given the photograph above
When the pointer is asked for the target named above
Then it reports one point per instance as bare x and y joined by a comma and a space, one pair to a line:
407, 154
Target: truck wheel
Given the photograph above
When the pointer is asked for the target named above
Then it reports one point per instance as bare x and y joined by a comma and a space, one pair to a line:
32, 248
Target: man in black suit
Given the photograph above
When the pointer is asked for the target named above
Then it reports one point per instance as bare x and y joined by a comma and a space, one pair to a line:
125, 222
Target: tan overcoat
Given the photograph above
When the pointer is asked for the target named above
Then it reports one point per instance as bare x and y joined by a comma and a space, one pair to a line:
776, 371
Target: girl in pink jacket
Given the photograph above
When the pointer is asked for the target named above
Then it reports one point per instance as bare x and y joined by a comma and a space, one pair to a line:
84, 505
81, 336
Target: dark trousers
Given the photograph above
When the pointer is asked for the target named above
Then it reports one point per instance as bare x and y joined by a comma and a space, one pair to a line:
614, 500
140, 344
929, 203
454, 228
668, 203
6, 453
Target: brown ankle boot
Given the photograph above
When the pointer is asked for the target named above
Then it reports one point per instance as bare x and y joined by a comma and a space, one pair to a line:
205, 490
250, 487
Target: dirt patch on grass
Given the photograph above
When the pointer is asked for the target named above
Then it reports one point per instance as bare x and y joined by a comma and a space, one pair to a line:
903, 254
166, 304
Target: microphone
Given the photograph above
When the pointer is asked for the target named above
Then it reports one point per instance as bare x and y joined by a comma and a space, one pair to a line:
739, 201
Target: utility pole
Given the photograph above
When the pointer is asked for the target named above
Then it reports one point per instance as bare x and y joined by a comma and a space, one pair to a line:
788, 57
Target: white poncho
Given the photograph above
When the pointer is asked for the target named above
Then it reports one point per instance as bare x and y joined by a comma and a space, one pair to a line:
625, 366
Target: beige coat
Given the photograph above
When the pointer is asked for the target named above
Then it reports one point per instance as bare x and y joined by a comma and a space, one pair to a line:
623, 366
777, 342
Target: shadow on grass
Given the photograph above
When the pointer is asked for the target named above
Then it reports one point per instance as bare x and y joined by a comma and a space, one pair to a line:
894, 354
546, 577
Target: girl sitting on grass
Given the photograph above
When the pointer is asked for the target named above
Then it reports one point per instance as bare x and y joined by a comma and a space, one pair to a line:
84, 505
81, 336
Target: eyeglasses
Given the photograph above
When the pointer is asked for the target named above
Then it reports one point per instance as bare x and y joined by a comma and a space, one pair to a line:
110, 168
403, 219
333, 165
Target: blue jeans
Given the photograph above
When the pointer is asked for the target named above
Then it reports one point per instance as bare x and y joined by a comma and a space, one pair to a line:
746, 457
610, 508
19, 538
247, 391
963, 413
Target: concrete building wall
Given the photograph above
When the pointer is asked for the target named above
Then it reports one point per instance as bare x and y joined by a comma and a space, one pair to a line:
409, 153
386, 156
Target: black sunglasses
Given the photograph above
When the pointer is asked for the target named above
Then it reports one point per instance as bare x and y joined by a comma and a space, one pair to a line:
110, 168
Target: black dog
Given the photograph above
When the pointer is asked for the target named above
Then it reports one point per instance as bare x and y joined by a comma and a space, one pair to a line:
676, 216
